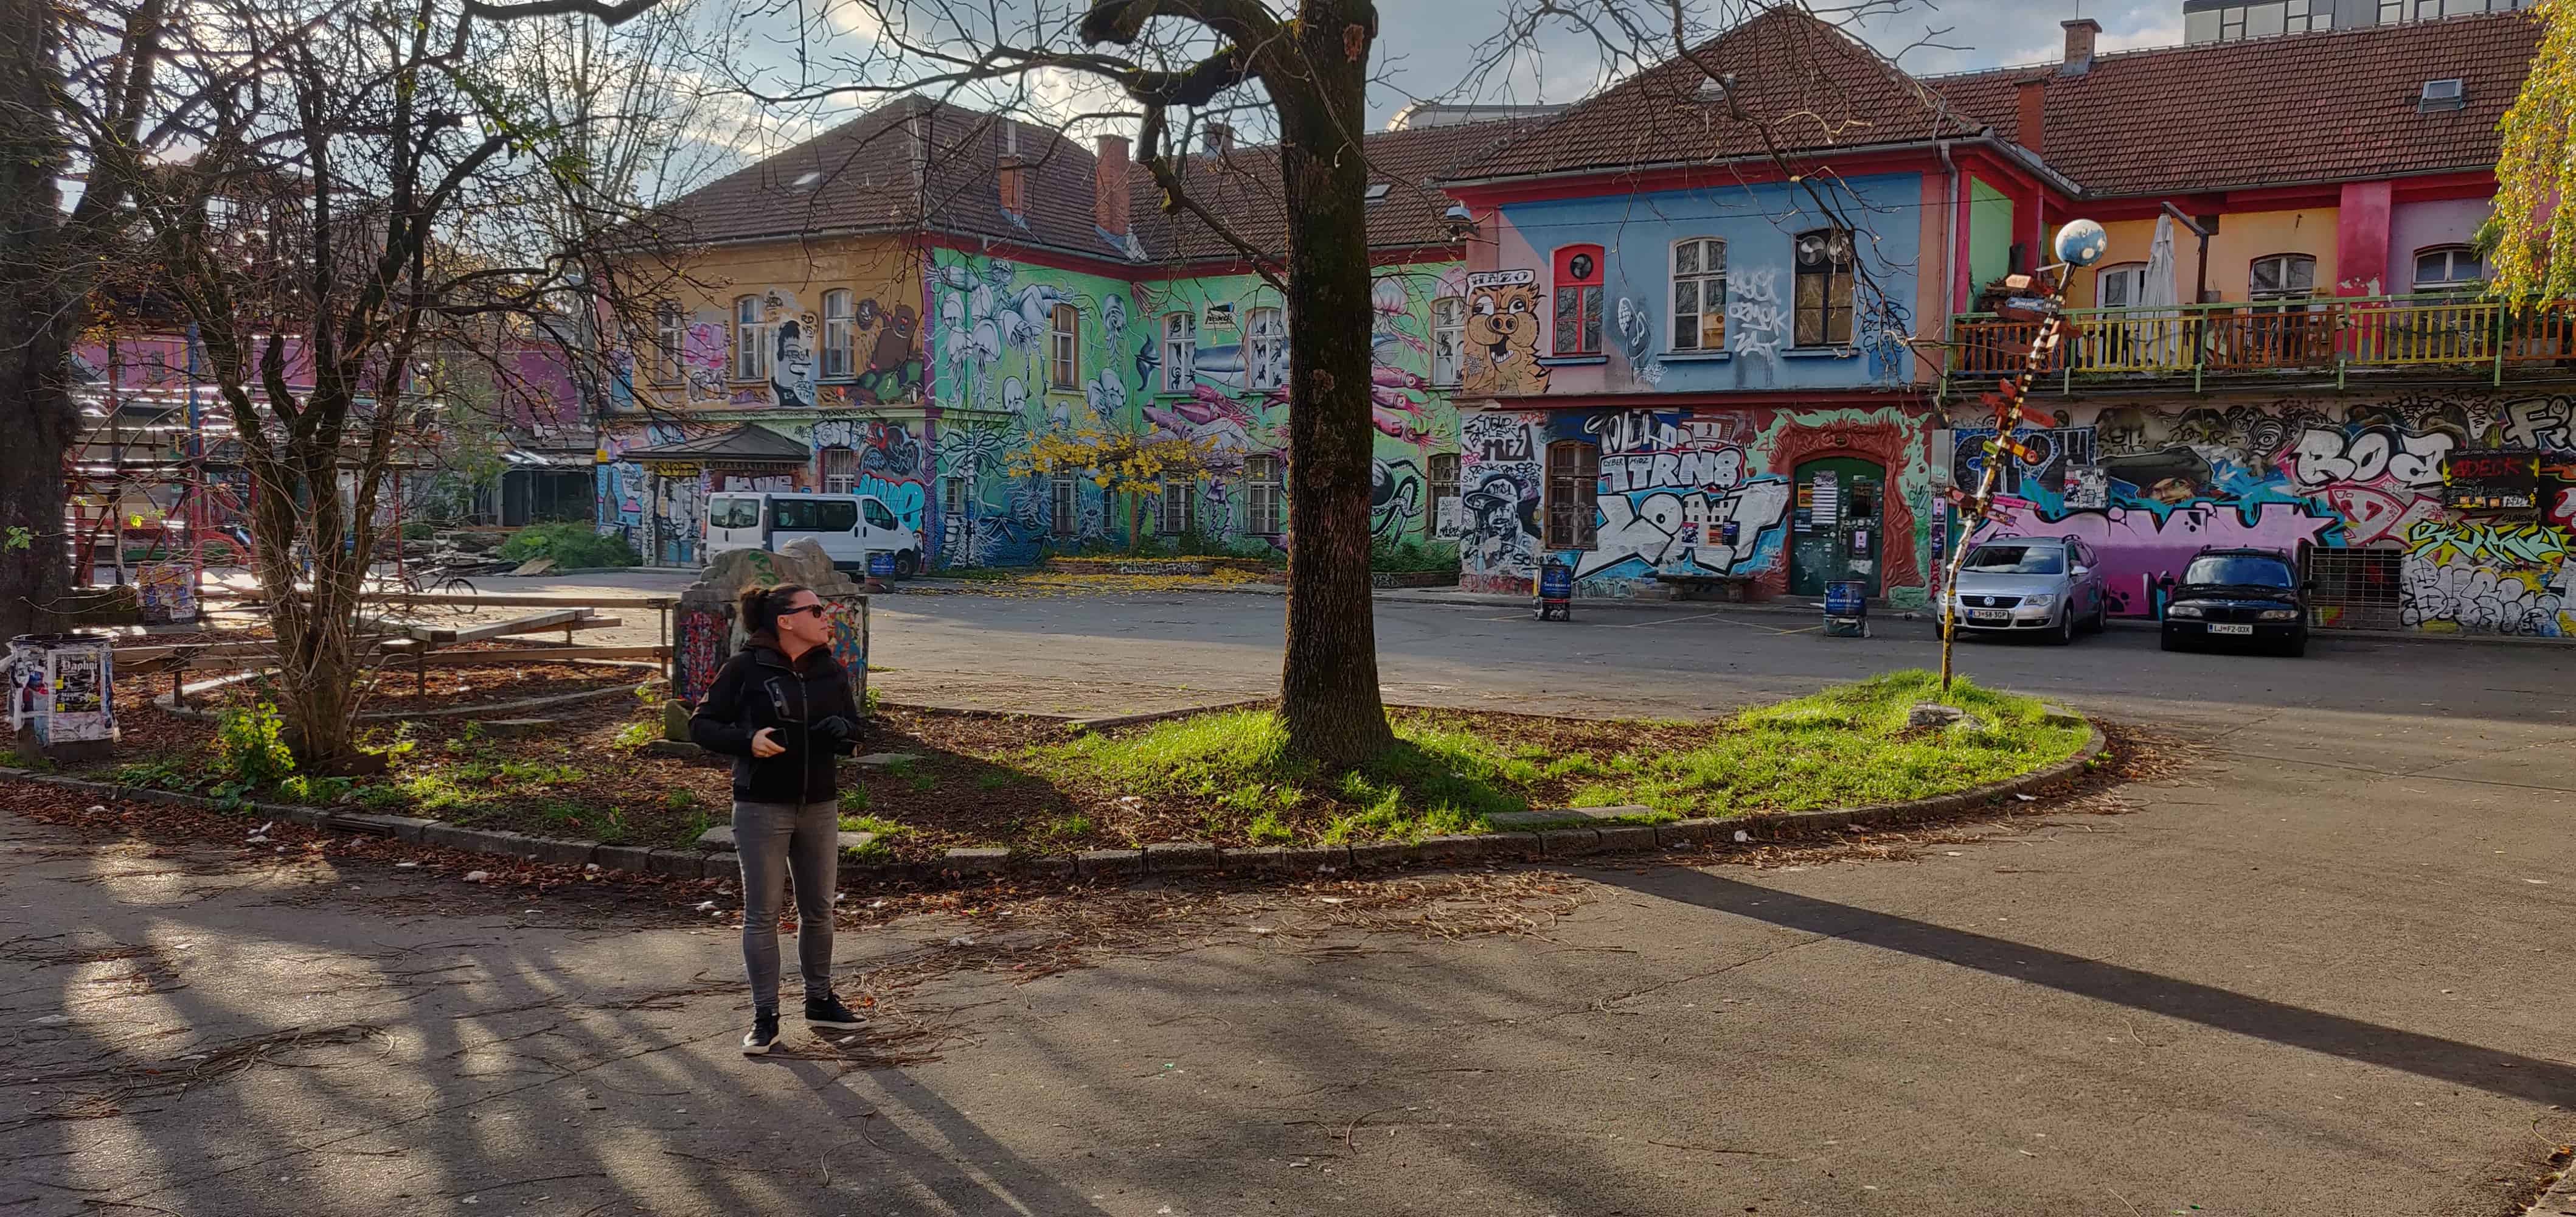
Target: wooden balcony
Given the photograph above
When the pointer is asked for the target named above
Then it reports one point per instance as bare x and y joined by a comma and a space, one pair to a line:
2451, 336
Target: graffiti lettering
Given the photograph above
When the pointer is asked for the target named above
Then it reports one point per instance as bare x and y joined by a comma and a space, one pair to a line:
2477, 598
2477, 542
1667, 525
1715, 470
1495, 437
1754, 315
2537, 422
2324, 457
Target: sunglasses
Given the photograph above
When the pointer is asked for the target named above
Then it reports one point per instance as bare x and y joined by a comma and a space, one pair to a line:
815, 609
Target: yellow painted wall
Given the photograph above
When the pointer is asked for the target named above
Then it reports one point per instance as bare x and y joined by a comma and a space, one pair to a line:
790, 278
2242, 237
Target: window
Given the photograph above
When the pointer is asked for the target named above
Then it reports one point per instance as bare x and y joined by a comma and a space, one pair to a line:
836, 335
733, 513
2119, 286
750, 340
1061, 504
1448, 338
1180, 351
842, 515
879, 515
1699, 295
1265, 342
1064, 368
812, 515
2017, 560
670, 338
2282, 277
1573, 482
1578, 300
1444, 477
1262, 498
838, 469
2448, 268
1179, 506
952, 497
1823, 302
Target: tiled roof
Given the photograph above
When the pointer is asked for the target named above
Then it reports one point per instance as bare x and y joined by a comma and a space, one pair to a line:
2269, 111
889, 168
748, 442
1805, 83
1243, 188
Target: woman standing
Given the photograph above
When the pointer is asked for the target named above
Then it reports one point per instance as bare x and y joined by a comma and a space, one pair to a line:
781, 707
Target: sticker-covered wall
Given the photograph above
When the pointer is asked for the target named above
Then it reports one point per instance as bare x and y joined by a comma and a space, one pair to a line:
2359, 482
1642, 501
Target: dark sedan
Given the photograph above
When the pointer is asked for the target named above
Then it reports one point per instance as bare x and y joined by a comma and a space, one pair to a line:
2250, 596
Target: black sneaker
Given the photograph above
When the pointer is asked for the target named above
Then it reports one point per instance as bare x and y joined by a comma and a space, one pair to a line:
763, 1033
827, 1011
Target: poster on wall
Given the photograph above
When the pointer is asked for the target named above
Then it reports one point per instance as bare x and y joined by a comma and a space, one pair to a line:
1828, 502
80, 695
1218, 315
2491, 479
2088, 488
1449, 518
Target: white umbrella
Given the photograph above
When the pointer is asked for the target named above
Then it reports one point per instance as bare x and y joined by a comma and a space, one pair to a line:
2159, 291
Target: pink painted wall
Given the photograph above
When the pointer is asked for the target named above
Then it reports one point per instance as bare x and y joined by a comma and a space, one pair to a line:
2361, 240
2413, 226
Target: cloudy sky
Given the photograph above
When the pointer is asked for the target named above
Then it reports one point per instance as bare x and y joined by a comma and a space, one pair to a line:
1428, 46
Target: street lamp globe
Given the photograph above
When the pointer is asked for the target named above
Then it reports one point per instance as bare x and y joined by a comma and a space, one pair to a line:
2082, 243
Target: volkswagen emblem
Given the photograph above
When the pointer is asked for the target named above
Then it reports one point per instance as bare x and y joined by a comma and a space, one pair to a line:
1990, 601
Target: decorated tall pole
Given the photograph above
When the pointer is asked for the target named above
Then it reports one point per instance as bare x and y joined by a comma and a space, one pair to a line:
2079, 243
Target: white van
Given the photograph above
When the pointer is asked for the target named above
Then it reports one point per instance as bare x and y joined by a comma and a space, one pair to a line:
848, 526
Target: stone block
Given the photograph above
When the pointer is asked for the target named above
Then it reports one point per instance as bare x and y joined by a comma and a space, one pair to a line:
1382, 854
976, 860
1690, 832
558, 851
401, 828
677, 863
1509, 845
514, 728
877, 760
1257, 858
1052, 866
718, 837
1569, 842
1933, 714
624, 857
448, 836
2060, 716
856, 840
1628, 838
1109, 863
1180, 857
1555, 816
727, 865
1449, 849
1315, 859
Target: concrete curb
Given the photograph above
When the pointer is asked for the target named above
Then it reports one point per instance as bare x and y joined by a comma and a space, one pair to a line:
1165, 858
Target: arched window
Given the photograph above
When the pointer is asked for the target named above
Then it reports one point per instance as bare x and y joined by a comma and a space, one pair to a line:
2449, 268
2281, 277
836, 334
1578, 300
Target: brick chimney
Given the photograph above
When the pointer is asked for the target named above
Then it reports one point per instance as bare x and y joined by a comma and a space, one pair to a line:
2031, 97
1012, 175
1109, 186
2081, 34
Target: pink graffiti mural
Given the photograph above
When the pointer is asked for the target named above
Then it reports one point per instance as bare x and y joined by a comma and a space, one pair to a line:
2138, 545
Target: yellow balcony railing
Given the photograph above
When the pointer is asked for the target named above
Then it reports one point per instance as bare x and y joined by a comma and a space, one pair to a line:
2334, 335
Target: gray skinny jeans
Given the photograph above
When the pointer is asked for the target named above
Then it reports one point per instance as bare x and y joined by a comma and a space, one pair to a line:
775, 839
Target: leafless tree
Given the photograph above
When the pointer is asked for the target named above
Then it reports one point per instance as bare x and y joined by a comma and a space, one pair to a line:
352, 213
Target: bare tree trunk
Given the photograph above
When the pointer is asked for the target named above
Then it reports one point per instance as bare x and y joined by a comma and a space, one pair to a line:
1328, 684
36, 329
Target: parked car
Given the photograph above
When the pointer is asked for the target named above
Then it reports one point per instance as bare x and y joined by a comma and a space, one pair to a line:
2252, 596
2047, 586
849, 527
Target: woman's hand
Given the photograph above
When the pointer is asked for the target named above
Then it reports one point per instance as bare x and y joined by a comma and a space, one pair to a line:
764, 744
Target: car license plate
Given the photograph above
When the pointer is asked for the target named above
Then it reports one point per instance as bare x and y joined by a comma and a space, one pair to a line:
1989, 614
2231, 629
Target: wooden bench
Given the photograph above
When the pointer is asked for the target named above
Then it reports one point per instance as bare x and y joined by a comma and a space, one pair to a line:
1730, 588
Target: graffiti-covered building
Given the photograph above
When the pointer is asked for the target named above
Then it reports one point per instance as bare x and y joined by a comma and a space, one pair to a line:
1727, 324
916, 295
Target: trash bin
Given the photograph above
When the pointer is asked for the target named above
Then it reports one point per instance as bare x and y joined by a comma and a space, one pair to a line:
62, 695
1555, 591
1847, 608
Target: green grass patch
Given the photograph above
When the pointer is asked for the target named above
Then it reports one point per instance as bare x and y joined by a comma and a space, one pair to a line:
881, 827
1846, 746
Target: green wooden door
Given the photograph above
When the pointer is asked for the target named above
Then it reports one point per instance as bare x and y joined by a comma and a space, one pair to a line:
1835, 524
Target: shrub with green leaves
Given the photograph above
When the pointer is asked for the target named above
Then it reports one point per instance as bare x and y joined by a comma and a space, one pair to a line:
570, 545
250, 746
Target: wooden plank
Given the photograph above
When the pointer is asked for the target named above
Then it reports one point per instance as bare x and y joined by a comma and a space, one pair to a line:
491, 600
448, 635
405, 663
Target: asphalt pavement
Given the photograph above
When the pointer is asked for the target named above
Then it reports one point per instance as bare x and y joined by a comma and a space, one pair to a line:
2322, 967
